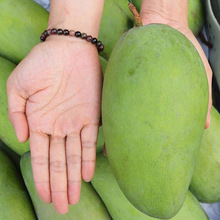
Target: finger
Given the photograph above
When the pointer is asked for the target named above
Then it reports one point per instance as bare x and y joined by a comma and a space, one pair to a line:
39, 146
58, 177
16, 111
208, 119
73, 155
88, 139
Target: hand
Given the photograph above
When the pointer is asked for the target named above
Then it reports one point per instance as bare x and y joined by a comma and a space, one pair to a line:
178, 22
54, 98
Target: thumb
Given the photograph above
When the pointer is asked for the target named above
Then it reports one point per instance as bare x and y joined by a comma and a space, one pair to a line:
209, 75
208, 119
16, 108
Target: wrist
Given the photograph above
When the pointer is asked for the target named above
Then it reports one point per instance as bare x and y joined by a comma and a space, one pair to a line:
173, 13
70, 45
83, 15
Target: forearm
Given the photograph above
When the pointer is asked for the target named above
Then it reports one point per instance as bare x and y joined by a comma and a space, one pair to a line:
83, 15
165, 11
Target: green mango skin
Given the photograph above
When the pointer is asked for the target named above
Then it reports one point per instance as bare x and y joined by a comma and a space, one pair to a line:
205, 183
123, 5
195, 14
120, 208
22, 23
7, 133
113, 25
13, 155
154, 107
14, 199
137, 4
90, 206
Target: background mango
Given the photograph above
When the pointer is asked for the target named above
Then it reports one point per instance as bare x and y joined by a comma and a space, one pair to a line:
14, 199
205, 182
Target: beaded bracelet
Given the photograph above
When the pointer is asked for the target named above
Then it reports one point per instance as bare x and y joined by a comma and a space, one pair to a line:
73, 33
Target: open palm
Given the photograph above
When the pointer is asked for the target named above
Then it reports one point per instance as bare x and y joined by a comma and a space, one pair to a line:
54, 99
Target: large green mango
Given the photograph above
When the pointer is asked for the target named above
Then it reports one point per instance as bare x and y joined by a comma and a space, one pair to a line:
14, 199
7, 133
195, 14
205, 182
90, 206
154, 107
23, 21
120, 208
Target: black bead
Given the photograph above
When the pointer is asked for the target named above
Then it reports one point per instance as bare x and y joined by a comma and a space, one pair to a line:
59, 31
49, 32
101, 48
94, 40
45, 33
78, 34
42, 37
89, 38
99, 43
84, 36
66, 32
54, 31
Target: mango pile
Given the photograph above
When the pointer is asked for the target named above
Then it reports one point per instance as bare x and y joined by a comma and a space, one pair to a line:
160, 161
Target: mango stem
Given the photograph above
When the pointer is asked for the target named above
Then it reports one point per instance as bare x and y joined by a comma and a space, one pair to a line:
137, 17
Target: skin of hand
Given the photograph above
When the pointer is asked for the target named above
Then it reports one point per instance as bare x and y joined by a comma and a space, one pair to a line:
175, 14
54, 98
